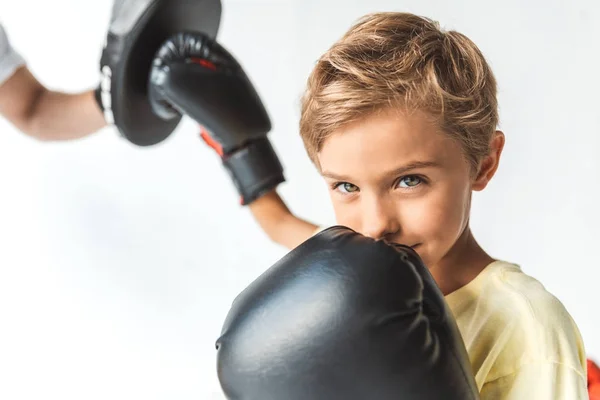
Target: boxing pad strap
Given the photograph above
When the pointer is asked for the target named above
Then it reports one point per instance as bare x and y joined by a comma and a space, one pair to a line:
255, 169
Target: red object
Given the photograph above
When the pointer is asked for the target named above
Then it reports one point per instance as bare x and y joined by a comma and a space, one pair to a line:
204, 63
211, 142
593, 380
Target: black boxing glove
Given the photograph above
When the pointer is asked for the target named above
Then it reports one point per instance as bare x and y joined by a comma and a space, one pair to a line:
344, 317
194, 75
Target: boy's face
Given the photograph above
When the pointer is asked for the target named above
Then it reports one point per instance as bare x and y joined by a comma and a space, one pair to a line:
396, 176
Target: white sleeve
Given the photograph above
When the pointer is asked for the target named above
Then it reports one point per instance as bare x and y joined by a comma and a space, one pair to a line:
10, 60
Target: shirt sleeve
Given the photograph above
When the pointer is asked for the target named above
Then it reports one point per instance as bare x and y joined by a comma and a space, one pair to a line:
10, 59
538, 381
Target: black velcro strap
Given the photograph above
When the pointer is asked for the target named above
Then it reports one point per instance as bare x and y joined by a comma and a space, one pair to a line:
254, 169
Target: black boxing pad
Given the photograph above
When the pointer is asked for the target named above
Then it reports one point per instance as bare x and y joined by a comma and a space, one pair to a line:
137, 30
344, 317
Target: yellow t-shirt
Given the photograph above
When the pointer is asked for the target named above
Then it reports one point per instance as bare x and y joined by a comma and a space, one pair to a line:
522, 342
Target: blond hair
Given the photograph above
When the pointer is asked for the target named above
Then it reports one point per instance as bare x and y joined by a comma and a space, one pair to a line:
397, 59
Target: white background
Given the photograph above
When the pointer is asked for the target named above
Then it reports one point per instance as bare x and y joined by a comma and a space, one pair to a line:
118, 264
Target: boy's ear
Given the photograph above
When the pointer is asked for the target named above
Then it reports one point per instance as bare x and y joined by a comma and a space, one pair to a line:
489, 164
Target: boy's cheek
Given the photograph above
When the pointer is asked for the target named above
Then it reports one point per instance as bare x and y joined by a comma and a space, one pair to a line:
347, 215
436, 221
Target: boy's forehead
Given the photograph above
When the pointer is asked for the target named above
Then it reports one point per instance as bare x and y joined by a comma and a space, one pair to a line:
388, 140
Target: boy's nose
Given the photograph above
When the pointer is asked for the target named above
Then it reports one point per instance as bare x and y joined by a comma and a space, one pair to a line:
379, 219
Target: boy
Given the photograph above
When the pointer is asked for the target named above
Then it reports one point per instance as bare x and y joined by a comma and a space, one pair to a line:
400, 119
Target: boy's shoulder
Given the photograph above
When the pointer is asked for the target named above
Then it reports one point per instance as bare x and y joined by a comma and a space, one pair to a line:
503, 289
520, 290
511, 299
520, 299
509, 319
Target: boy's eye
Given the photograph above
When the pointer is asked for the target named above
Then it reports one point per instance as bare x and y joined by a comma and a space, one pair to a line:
346, 187
409, 181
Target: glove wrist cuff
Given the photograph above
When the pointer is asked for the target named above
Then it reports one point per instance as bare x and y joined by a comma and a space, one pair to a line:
255, 170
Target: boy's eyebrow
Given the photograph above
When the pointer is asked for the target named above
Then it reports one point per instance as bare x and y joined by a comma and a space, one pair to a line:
398, 171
